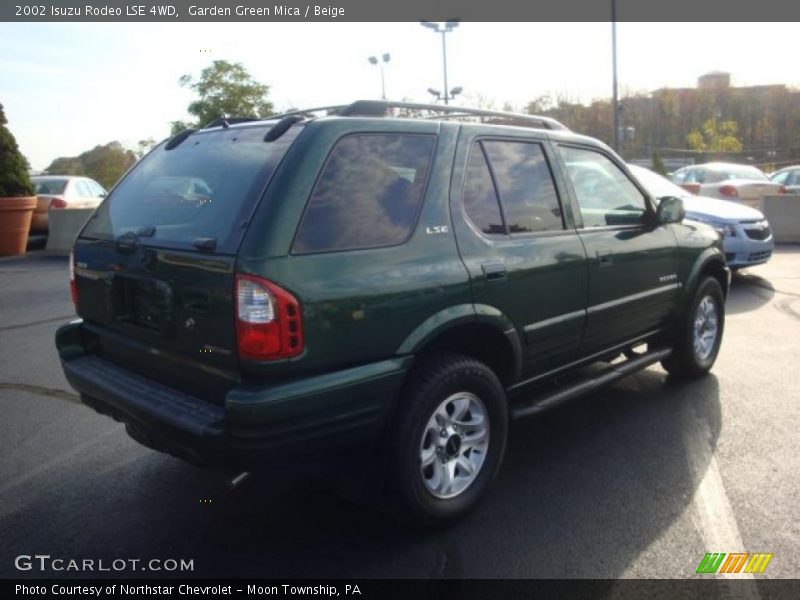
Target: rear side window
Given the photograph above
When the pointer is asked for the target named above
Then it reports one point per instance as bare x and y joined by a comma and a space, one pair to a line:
525, 186
368, 193
206, 187
513, 192
480, 200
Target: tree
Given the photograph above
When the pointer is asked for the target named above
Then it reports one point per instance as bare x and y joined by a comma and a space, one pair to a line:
224, 90
66, 165
143, 147
105, 164
14, 178
658, 164
715, 137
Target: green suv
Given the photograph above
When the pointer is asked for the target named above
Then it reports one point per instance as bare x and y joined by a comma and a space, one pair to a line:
380, 279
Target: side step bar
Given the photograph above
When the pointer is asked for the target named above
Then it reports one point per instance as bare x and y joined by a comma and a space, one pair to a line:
613, 373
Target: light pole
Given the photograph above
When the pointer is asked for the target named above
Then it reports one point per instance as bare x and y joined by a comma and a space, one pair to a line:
453, 93
614, 102
384, 60
448, 27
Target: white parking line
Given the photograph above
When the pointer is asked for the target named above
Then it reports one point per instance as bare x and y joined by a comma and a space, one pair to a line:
717, 522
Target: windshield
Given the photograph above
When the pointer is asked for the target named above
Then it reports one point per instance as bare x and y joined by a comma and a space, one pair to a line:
202, 189
657, 185
49, 186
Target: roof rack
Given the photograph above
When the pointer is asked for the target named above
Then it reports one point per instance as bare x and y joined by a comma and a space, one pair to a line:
380, 108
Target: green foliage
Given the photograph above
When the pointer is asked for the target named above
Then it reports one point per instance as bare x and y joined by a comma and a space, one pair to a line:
14, 178
658, 164
105, 164
715, 137
224, 90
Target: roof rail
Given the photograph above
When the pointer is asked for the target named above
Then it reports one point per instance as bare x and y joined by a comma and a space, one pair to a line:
226, 122
379, 108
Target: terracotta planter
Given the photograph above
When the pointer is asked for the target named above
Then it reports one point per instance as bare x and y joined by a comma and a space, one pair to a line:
15, 223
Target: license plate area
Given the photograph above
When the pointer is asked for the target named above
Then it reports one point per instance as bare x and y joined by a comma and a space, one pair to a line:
143, 302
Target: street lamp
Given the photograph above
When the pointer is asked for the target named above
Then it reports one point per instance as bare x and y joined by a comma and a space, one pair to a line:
448, 27
384, 60
453, 93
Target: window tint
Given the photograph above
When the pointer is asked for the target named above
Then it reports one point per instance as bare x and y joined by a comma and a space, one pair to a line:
480, 199
605, 194
525, 186
202, 188
368, 193
49, 186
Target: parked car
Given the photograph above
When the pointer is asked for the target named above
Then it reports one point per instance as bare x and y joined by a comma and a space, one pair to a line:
747, 234
63, 191
380, 290
789, 177
726, 181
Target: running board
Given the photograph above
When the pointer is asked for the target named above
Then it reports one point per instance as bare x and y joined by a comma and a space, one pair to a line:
613, 373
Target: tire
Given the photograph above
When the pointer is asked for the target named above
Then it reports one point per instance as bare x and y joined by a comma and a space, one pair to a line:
705, 320
459, 464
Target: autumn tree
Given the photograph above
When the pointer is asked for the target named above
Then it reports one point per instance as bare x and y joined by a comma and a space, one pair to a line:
224, 89
715, 137
105, 164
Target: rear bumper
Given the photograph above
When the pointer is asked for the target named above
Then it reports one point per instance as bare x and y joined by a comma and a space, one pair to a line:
310, 419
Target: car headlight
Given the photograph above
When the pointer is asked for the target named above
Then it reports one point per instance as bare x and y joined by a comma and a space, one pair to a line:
726, 229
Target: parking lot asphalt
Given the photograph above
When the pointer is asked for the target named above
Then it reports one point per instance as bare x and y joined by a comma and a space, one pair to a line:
637, 480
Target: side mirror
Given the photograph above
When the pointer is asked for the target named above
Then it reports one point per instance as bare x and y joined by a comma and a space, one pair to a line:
670, 210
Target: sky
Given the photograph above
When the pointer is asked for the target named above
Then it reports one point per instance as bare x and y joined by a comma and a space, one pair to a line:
67, 87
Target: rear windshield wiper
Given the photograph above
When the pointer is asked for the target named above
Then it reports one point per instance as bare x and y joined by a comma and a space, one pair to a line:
208, 244
146, 231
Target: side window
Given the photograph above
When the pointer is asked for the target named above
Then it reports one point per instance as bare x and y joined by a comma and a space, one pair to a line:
605, 194
97, 189
794, 178
781, 177
368, 193
525, 186
83, 189
480, 199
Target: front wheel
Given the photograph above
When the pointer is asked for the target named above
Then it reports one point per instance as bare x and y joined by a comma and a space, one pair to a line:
448, 440
699, 334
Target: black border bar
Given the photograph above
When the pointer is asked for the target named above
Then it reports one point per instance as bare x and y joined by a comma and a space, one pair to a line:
401, 10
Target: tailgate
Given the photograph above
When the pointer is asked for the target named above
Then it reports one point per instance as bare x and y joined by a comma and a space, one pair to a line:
166, 314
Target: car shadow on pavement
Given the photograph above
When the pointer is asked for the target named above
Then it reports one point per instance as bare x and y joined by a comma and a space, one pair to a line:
748, 292
585, 489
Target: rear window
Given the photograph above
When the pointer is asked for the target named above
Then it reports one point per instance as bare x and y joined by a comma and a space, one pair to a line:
368, 193
49, 186
740, 172
206, 187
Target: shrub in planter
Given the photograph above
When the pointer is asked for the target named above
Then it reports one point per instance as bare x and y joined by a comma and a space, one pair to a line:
16, 194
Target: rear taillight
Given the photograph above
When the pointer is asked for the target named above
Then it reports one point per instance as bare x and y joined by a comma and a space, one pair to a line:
728, 190
73, 288
782, 189
269, 322
58, 203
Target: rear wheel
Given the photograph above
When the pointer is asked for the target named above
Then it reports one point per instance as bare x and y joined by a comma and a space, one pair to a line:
699, 335
448, 440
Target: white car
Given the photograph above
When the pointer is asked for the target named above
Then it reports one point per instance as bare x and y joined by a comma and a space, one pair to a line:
63, 191
747, 236
727, 181
789, 177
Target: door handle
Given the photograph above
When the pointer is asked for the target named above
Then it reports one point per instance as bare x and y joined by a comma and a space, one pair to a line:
494, 271
604, 257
